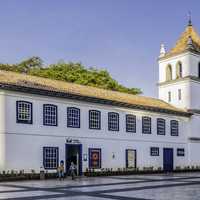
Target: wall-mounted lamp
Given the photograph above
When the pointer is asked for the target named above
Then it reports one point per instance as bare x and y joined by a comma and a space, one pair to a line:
84, 157
113, 155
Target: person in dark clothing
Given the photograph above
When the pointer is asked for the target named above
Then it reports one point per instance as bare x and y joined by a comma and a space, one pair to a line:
72, 169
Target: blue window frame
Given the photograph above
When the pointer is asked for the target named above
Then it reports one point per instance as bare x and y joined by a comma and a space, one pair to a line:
94, 158
50, 116
180, 152
24, 113
174, 127
160, 126
73, 117
50, 157
130, 123
146, 125
94, 119
113, 121
154, 151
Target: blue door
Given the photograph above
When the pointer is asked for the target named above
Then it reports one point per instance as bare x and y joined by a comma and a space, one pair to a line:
168, 160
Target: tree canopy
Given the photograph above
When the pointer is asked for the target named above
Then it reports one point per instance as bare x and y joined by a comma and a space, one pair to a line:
70, 72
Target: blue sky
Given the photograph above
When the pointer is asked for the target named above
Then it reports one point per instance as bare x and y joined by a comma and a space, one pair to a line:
122, 36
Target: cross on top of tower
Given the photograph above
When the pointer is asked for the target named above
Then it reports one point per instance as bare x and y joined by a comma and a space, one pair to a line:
189, 19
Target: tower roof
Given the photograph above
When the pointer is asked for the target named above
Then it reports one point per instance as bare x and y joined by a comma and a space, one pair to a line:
189, 40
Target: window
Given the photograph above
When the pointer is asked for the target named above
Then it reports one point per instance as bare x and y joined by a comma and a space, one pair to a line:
179, 94
94, 119
24, 112
179, 70
131, 123
160, 126
154, 151
50, 157
50, 115
146, 125
180, 152
174, 127
199, 71
113, 121
169, 97
73, 117
168, 73
94, 158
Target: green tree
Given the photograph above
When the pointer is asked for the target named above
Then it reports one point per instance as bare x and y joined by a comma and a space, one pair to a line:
70, 72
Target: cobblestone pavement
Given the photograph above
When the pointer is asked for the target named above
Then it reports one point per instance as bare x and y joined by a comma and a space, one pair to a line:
134, 187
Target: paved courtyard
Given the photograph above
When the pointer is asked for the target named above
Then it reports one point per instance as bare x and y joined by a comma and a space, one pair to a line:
134, 187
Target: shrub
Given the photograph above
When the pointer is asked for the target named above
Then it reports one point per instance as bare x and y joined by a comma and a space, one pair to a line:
178, 168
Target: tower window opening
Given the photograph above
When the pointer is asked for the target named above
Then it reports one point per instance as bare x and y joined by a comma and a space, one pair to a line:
179, 70
169, 73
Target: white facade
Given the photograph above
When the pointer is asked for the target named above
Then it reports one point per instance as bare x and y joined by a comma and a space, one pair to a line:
188, 85
190, 89
21, 145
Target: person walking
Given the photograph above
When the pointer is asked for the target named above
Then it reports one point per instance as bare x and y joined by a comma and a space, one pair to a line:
61, 173
72, 169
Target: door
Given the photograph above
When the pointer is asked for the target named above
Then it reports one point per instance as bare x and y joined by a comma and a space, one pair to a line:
74, 154
168, 160
131, 156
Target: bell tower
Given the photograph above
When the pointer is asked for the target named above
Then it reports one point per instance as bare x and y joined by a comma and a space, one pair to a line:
179, 71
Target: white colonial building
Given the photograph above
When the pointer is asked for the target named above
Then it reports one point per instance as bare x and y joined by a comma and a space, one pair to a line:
44, 121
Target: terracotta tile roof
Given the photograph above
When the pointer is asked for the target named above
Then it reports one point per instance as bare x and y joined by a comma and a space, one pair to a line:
23, 80
182, 43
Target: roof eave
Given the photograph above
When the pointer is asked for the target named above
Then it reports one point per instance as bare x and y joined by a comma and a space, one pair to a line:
45, 92
169, 55
193, 78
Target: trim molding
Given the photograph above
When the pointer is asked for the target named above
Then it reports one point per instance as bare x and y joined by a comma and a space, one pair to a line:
192, 78
99, 119
91, 138
133, 123
192, 51
20, 121
110, 122
44, 115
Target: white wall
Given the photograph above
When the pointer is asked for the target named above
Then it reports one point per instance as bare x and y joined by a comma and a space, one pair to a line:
2, 130
195, 95
184, 86
24, 142
190, 89
183, 58
190, 92
189, 62
194, 158
27, 151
